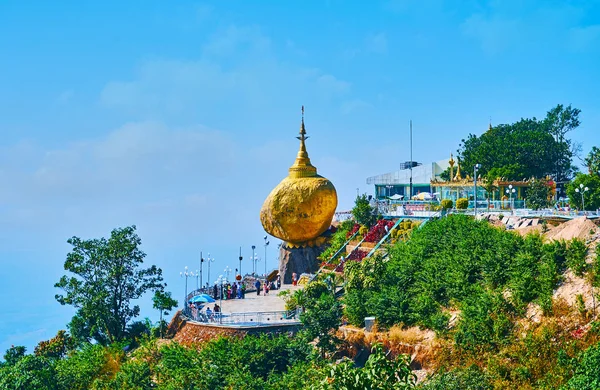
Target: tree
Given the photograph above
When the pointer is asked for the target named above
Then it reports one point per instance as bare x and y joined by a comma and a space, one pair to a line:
592, 161
57, 347
538, 194
321, 319
163, 302
591, 197
108, 277
14, 354
363, 212
525, 149
379, 373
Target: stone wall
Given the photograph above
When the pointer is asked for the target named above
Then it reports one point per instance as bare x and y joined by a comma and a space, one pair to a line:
189, 332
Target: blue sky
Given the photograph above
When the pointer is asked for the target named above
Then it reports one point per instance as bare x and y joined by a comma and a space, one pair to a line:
180, 117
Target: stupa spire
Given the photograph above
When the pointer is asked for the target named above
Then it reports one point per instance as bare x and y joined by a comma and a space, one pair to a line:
302, 166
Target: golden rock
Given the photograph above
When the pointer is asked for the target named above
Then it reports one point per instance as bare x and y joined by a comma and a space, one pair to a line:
302, 206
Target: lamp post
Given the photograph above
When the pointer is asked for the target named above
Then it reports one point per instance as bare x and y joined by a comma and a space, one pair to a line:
476, 168
197, 275
209, 260
185, 274
252, 259
241, 261
201, 262
220, 282
581, 191
227, 271
510, 191
266, 245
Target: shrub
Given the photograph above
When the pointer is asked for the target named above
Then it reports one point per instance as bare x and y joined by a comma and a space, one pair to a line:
462, 203
447, 204
576, 256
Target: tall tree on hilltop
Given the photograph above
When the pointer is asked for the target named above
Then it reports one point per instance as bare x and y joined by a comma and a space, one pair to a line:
527, 148
108, 277
363, 212
592, 161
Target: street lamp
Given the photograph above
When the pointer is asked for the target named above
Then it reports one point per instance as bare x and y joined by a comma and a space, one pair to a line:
209, 260
241, 262
581, 190
252, 259
227, 271
220, 282
185, 274
266, 245
201, 262
510, 191
197, 275
476, 168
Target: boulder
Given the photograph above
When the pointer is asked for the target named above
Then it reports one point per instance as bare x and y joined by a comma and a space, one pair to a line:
298, 260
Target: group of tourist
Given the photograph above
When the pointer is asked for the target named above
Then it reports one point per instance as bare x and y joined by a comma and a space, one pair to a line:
230, 291
266, 286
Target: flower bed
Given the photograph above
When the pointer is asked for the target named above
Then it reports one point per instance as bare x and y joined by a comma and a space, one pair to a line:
378, 231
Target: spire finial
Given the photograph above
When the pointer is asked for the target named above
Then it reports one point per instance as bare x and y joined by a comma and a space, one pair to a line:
490, 127
302, 167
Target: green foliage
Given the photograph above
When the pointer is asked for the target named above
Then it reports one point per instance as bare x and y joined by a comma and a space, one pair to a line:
462, 203
538, 194
81, 369
379, 373
450, 263
107, 279
537, 147
338, 239
591, 197
485, 322
321, 318
57, 347
164, 303
29, 373
472, 378
447, 204
363, 212
592, 161
14, 354
587, 373
576, 255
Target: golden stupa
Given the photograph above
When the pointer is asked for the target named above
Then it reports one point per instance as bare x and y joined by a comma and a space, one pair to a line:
301, 207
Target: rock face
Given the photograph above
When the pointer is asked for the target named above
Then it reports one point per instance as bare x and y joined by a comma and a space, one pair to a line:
298, 260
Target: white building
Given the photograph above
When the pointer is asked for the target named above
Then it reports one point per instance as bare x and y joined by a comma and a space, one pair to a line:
398, 182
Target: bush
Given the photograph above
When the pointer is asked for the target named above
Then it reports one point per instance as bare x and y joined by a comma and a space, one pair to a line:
462, 203
447, 204
576, 255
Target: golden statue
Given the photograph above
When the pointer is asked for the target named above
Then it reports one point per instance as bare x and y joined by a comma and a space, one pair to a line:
302, 206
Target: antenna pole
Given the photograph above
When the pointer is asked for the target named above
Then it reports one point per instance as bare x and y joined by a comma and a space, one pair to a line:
411, 164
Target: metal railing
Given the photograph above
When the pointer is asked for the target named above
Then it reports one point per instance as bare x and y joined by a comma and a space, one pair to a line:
245, 319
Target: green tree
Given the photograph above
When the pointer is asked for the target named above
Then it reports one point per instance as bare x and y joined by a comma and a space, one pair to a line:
14, 354
29, 373
591, 196
525, 149
592, 161
108, 277
57, 347
321, 318
363, 212
379, 373
163, 302
538, 194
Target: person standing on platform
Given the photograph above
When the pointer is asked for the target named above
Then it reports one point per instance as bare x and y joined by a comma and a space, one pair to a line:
257, 285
